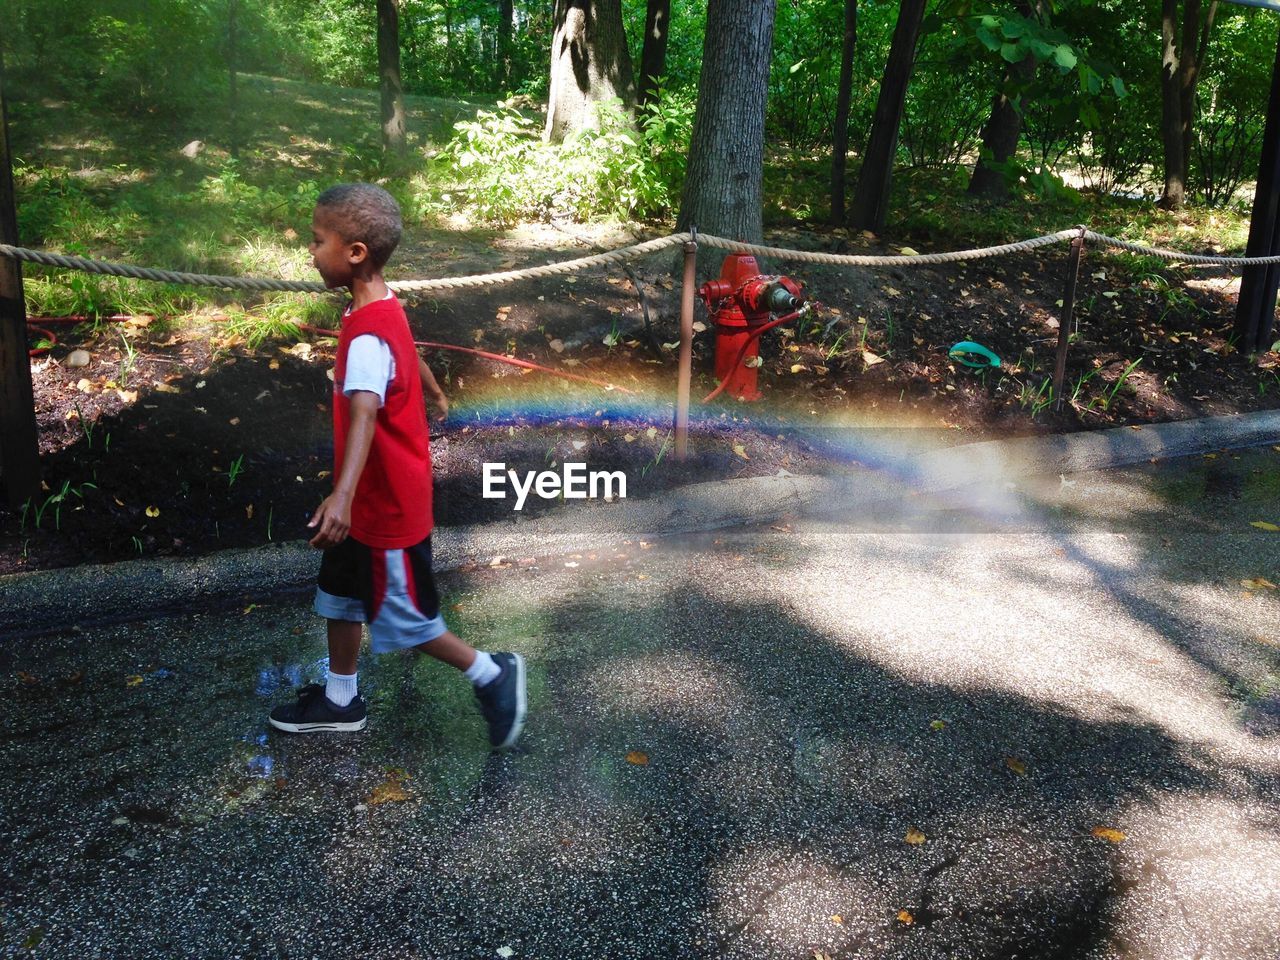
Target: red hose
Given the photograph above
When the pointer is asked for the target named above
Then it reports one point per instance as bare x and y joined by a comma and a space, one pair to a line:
743, 352
49, 335
493, 356
37, 324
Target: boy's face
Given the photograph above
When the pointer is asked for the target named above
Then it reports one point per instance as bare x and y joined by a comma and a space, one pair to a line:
334, 258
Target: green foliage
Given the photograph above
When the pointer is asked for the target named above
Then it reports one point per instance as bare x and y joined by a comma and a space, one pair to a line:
1231, 105
506, 174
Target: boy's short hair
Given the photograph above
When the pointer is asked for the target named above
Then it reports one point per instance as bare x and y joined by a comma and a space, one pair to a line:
367, 214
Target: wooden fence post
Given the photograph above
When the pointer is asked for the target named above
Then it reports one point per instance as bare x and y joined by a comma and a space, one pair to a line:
19, 445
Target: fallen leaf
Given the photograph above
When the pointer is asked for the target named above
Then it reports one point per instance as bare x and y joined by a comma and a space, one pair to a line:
753, 362
938, 725
234, 421
1259, 583
153, 511
389, 791
1263, 525
570, 362
905, 918
909, 252
629, 437
28, 679
1108, 833
273, 365
505, 953
651, 432
1016, 765
132, 681
798, 368
914, 837
699, 326
250, 608
638, 759
84, 386
871, 359
891, 292
741, 451
837, 919
248, 512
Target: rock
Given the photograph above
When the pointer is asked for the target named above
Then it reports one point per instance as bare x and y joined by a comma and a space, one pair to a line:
193, 149
78, 358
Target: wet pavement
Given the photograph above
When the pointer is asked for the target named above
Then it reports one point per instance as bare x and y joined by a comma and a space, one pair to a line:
1037, 719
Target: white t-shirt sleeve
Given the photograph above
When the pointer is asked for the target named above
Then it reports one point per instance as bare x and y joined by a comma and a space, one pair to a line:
370, 367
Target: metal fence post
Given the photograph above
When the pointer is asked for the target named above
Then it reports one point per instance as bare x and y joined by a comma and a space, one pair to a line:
1068, 312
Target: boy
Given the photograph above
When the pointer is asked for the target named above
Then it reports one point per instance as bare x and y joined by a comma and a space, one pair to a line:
375, 528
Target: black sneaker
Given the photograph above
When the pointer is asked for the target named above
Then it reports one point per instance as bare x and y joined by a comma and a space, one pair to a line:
315, 713
502, 701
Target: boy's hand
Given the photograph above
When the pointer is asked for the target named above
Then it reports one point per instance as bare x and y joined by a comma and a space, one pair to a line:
333, 517
440, 406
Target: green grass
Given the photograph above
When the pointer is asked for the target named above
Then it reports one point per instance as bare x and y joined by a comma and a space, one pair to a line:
118, 188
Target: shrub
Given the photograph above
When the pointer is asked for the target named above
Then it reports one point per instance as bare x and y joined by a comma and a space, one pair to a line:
506, 174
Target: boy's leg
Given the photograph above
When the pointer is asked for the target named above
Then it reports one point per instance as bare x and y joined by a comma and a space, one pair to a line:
499, 682
344, 649
344, 645
334, 705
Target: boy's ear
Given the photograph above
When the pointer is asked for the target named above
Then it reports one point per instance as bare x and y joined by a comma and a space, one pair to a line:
357, 252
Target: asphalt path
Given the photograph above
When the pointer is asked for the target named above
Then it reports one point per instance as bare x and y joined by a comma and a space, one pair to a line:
1038, 718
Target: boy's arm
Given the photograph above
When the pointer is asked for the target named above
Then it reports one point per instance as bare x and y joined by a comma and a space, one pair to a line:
431, 390
334, 515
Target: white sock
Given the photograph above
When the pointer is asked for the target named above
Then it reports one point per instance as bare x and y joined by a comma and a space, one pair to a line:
483, 671
340, 688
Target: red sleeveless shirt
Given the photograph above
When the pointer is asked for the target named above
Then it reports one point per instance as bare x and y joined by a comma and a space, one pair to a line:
392, 505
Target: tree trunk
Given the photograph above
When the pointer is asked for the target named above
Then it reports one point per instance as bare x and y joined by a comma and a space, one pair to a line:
1003, 128
506, 11
590, 63
871, 198
653, 56
1175, 172
844, 93
393, 139
1195, 40
722, 188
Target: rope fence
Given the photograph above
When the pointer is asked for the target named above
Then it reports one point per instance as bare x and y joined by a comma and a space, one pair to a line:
689, 243
616, 257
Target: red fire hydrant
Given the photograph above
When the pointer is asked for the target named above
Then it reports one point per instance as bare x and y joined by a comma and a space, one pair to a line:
739, 302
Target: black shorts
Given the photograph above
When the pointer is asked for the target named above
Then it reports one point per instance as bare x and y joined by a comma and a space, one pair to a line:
393, 591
